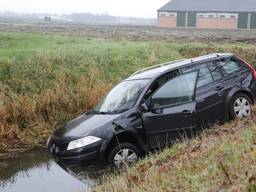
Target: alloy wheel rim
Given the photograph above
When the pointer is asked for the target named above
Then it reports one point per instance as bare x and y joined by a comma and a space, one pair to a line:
125, 157
242, 107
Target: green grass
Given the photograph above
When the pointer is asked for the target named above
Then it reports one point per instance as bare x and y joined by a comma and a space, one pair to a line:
45, 80
222, 159
28, 59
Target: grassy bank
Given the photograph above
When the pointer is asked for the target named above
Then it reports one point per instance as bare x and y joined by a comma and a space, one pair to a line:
221, 159
45, 80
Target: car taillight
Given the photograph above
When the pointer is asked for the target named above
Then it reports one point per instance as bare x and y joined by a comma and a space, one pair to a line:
251, 68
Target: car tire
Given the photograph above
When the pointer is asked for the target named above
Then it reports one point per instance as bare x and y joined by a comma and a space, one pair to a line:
240, 106
124, 155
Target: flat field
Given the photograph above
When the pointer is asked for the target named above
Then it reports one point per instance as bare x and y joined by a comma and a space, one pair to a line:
133, 33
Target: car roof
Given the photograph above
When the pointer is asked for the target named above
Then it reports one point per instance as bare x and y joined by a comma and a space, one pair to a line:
157, 70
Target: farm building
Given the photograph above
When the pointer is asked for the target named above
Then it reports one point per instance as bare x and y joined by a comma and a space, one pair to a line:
211, 14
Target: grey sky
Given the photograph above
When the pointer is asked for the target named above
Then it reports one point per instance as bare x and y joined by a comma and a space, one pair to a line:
135, 8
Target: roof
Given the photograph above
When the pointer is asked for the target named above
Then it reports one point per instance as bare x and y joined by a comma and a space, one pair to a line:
210, 5
156, 70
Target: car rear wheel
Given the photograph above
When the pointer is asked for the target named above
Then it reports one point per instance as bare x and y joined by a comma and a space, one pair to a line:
241, 106
124, 155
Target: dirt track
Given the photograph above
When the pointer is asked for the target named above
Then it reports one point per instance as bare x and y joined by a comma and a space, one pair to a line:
135, 33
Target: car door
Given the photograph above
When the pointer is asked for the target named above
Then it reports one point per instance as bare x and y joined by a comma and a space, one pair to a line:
210, 94
172, 111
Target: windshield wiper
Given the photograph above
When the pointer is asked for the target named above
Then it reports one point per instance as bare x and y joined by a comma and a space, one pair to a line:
98, 112
118, 111
102, 112
107, 112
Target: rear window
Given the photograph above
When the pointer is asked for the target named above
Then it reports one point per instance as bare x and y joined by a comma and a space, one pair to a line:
231, 65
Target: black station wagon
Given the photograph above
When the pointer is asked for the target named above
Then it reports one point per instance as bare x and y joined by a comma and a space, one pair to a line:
156, 106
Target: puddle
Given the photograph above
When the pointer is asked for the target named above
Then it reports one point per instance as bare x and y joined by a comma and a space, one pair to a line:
37, 171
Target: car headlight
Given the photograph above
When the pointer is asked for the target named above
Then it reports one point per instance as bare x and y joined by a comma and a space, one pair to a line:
82, 142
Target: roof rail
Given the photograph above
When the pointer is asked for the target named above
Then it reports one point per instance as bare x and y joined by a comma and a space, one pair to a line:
196, 59
156, 66
210, 56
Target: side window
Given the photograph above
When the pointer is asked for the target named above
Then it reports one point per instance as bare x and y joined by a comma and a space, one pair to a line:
230, 65
204, 76
161, 82
216, 74
175, 91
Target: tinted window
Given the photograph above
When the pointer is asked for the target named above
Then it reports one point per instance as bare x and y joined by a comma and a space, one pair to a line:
230, 66
175, 91
216, 74
205, 76
160, 82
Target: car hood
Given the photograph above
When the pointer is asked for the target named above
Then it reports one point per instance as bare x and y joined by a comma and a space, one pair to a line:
83, 125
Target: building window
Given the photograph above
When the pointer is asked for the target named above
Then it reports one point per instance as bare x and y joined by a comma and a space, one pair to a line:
227, 15
167, 14
206, 15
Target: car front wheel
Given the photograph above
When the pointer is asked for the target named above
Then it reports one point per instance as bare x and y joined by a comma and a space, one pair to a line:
241, 106
124, 155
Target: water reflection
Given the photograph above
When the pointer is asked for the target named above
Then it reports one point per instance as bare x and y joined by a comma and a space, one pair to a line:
37, 171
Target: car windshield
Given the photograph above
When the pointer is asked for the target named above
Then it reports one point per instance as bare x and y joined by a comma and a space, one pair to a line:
122, 97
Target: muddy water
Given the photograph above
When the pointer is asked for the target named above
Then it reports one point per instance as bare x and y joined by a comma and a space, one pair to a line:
37, 171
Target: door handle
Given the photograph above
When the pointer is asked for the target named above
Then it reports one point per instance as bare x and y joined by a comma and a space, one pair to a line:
219, 88
187, 112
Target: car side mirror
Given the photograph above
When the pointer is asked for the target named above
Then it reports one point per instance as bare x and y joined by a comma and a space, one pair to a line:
145, 107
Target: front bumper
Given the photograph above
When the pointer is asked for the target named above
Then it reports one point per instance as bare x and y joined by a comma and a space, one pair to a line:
88, 155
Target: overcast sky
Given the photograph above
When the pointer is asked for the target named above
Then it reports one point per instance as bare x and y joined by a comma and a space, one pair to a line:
135, 8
